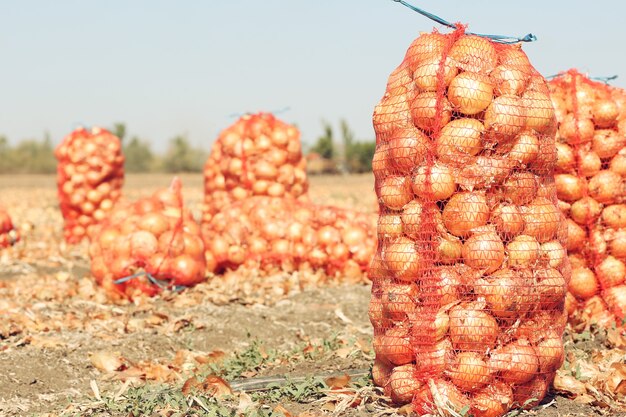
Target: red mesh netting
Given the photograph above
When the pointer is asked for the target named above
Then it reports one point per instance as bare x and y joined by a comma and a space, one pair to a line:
90, 175
470, 275
283, 234
8, 234
591, 166
149, 245
257, 155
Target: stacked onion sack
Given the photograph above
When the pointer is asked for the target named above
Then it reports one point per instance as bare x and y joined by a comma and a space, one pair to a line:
90, 175
8, 234
149, 245
257, 155
590, 174
274, 234
470, 275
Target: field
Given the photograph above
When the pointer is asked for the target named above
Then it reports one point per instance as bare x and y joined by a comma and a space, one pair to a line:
65, 350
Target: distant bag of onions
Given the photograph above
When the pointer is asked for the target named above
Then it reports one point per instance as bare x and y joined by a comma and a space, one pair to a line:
257, 155
282, 234
90, 175
149, 245
8, 234
470, 274
590, 173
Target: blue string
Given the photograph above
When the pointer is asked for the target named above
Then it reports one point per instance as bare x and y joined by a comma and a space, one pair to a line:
159, 283
604, 79
496, 38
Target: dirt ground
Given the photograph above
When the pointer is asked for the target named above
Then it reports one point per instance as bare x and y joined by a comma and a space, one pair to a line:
66, 350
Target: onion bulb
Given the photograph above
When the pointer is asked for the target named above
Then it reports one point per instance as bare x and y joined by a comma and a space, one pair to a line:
426, 72
569, 187
469, 371
424, 113
507, 219
531, 393
517, 362
526, 148
586, 210
550, 352
508, 79
589, 163
616, 300
406, 148
506, 291
617, 244
618, 164
505, 117
611, 272
449, 249
395, 346
554, 253
474, 53
464, 212
399, 300
614, 216
402, 259
492, 401
522, 251
433, 358
606, 143
433, 183
380, 372
472, 329
520, 188
565, 157
458, 139
413, 217
539, 111
470, 93
583, 283
483, 251
606, 186
550, 286
576, 236
604, 113
541, 219
576, 130
394, 192
389, 225
403, 383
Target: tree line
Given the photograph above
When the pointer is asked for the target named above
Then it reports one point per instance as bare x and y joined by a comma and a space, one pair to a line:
33, 156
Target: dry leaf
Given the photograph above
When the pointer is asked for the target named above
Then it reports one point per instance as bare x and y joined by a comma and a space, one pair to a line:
106, 361
567, 384
343, 352
280, 409
616, 380
212, 357
46, 342
212, 385
337, 382
405, 410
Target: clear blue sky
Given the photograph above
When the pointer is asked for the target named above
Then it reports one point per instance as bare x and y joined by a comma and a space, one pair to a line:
170, 67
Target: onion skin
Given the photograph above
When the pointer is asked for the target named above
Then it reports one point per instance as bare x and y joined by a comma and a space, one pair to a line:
423, 111
585, 210
523, 251
394, 192
492, 401
605, 187
583, 283
507, 293
469, 371
403, 384
611, 272
484, 252
517, 362
507, 219
472, 329
464, 212
569, 187
470, 93
505, 117
395, 346
541, 219
403, 260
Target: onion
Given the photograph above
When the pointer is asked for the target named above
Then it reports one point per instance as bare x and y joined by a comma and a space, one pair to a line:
617, 244
607, 143
399, 300
433, 358
589, 163
586, 210
402, 259
541, 219
424, 111
492, 401
520, 188
380, 372
550, 286
391, 113
507, 292
413, 217
565, 157
611, 272
583, 283
447, 394
569, 187
381, 163
394, 192
531, 393
554, 252
576, 236
474, 53
375, 311
526, 148
433, 183
464, 212
517, 362
459, 138
576, 130
427, 45
605, 113
472, 329
404, 385
509, 79
484, 251
470, 93
618, 164
449, 249
571, 304
577, 261
505, 117
522, 251
550, 352
395, 346
328, 235
426, 72
389, 225
485, 171
616, 300
469, 371
447, 286
407, 147
614, 216
539, 111
507, 219
426, 327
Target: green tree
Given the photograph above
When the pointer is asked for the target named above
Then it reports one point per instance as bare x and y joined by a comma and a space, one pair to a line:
138, 156
30, 156
325, 145
119, 130
182, 157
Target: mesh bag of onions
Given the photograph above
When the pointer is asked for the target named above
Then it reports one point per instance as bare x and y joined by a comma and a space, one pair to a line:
591, 165
90, 175
470, 274
282, 234
8, 234
149, 245
257, 155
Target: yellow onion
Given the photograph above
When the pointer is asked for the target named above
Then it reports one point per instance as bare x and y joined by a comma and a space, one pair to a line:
464, 212
447, 288
399, 300
469, 371
611, 272
508, 79
554, 253
526, 148
614, 216
429, 327
404, 385
604, 113
520, 188
539, 111
389, 225
406, 148
530, 394
431, 358
380, 372
618, 164
576, 236
458, 139
507, 219
424, 111
516, 362
550, 352
589, 163
449, 248
474, 53
522, 251
472, 329
550, 287
576, 130
470, 93
565, 157
394, 192
606, 143
395, 346
586, 210
433, 182
583, 283
427, 45
569, 187
402, 259
617, 244
413, 218
483, 251
426, 73
541, 219
616, 300
506, 291
492, 401
505, 117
